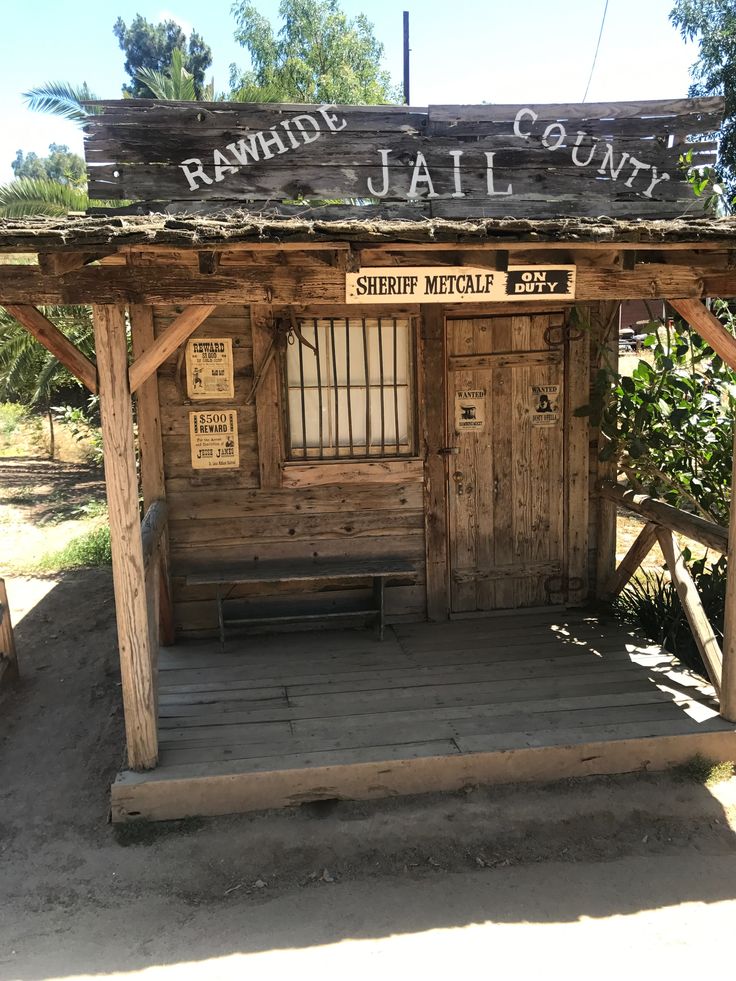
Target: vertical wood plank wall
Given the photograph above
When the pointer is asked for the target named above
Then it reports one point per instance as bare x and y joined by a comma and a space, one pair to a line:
226, 515
231, 515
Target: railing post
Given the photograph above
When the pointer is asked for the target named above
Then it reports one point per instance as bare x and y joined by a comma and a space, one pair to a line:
728, 678
8, 655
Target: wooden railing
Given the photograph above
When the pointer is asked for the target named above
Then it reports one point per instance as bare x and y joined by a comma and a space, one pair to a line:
155, 565
8, 656
663, 521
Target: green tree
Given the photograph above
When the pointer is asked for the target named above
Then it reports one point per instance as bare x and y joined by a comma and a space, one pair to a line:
712, 23
669, 425
318, 55
61, 165
175, 84
149, 47
28, 372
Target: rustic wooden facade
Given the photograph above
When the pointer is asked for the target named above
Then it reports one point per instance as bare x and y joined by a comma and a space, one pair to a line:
446, 449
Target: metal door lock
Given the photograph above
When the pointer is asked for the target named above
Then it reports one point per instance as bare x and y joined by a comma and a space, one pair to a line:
458, 477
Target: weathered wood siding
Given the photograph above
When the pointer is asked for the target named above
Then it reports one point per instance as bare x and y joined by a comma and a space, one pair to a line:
225, 516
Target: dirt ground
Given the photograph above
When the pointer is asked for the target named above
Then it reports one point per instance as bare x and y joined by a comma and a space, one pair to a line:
72, 886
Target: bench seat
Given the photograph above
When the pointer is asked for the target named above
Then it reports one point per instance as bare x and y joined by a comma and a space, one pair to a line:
378, 571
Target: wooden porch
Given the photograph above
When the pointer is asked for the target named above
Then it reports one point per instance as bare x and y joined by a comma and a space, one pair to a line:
274, 720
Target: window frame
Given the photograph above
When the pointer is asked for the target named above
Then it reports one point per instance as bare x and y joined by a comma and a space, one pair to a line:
370, 462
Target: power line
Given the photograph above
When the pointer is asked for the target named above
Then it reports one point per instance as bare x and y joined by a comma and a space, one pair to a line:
595, 56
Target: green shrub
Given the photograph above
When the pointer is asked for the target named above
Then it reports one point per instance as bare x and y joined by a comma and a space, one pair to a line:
651, 604
89, 549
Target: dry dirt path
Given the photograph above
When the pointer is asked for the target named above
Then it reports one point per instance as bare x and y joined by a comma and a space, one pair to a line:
599, 877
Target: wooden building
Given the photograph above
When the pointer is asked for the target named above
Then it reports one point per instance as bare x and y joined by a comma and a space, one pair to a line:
371, 410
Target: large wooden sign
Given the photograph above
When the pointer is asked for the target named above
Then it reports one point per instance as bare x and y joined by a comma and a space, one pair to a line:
458, 284
617, 159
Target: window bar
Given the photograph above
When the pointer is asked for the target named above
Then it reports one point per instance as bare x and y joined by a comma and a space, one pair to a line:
396, 390
337, 397
381, 383
367, 369
319, 389
350, 402
304, 408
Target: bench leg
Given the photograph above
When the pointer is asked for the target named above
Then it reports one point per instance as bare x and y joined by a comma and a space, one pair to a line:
220, 618
378, 595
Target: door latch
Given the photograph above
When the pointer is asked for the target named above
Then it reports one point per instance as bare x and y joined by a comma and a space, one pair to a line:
458, 477
449, 450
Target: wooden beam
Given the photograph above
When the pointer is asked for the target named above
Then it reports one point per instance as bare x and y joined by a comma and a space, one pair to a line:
728, 681
8, 654
274, 281
268, 403
59, 263
434, 436
57, 343
208, 262
641, 547
709, 327
703, 634
690, 525
134, 640
165, 344
150, 449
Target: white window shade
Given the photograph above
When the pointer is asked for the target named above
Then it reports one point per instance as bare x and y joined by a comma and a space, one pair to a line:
353, 397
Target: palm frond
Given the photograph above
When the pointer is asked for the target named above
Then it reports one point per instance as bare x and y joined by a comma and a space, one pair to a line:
40, 196
62, 99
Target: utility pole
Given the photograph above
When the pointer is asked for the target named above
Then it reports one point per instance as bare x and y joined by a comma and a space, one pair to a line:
406, 57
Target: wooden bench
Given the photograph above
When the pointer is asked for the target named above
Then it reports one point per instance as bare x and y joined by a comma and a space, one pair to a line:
378, 571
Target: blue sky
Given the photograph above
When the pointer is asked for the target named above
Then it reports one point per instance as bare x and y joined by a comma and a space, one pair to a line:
467, 51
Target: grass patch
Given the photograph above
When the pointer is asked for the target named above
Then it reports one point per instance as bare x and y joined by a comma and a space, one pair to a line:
90, 549
699, 769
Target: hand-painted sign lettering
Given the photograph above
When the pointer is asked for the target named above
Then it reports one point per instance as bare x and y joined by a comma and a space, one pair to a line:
458, 284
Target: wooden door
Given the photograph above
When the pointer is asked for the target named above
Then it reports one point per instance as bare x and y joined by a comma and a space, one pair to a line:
506, 482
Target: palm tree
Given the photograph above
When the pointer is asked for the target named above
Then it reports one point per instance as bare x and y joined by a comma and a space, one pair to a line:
40, 196
62, 99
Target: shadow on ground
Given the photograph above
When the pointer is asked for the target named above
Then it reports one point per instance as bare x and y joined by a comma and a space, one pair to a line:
80, 897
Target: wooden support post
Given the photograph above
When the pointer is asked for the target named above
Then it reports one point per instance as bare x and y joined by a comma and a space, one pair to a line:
639, 550
57, 343
605, 356
136, 664
433, 372
705, 638
8, 654
709, 327
728, 681
165, 345
150, 447
577, 393
268, 403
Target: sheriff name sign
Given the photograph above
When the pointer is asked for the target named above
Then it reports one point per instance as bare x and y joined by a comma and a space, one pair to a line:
618, 159
459, 284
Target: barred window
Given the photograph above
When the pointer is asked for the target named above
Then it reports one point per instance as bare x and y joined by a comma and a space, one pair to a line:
352, 395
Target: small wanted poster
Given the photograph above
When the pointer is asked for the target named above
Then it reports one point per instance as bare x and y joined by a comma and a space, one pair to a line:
214, 440
545, 404
210, 368
470, 410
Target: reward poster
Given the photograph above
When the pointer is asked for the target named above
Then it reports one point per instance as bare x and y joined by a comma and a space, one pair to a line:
210, 368
214, 440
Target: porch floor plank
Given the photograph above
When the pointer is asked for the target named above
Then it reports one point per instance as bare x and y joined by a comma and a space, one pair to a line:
276, 720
